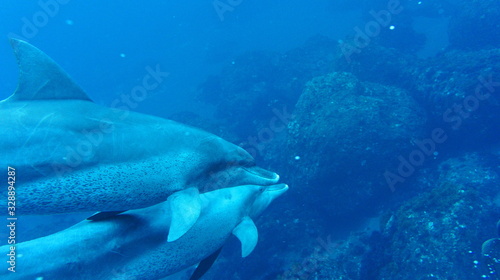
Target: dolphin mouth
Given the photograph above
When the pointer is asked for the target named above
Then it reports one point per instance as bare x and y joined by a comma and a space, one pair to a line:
268, 176
277, 188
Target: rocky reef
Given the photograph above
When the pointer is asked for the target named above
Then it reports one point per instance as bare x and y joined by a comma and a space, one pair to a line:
457, 89
344, 123
437, 234
345, 129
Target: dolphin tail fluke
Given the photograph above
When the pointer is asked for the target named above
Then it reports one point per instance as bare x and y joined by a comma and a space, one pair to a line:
247, 233
40, 77
185, 207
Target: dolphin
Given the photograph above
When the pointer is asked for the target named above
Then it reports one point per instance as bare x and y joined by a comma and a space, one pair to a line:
133, 245
73, 155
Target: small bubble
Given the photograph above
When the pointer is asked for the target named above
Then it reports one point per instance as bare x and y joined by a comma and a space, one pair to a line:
69, 22
297, 157
392, 27
122, 55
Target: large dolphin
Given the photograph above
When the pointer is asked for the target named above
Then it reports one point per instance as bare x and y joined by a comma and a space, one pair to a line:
133, 245
72, 155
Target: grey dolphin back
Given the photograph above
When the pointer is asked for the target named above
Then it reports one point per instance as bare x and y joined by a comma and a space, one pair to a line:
40, 77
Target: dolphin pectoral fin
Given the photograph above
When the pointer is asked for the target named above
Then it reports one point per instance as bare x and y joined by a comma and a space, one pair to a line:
185, 207
205, 265
247, 233
104, 215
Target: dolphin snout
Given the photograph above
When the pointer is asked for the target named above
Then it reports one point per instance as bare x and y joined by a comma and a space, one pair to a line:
277, 188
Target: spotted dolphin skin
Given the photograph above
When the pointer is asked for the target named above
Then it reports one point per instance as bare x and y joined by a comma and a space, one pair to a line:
72, 155
133, 245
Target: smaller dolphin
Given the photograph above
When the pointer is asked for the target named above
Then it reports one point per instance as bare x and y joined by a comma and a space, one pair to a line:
133, 245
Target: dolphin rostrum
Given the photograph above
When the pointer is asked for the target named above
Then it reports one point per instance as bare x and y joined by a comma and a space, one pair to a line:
133, 245
72, 155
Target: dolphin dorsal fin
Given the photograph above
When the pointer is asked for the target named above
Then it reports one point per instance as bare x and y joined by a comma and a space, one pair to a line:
247, 233
40, 77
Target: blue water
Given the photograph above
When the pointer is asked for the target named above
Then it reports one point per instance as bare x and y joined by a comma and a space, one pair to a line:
189, 40
229, 72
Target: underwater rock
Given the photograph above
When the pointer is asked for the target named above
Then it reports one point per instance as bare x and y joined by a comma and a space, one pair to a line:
460, 91
355, 258
379, 64
438, 234
344, 135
